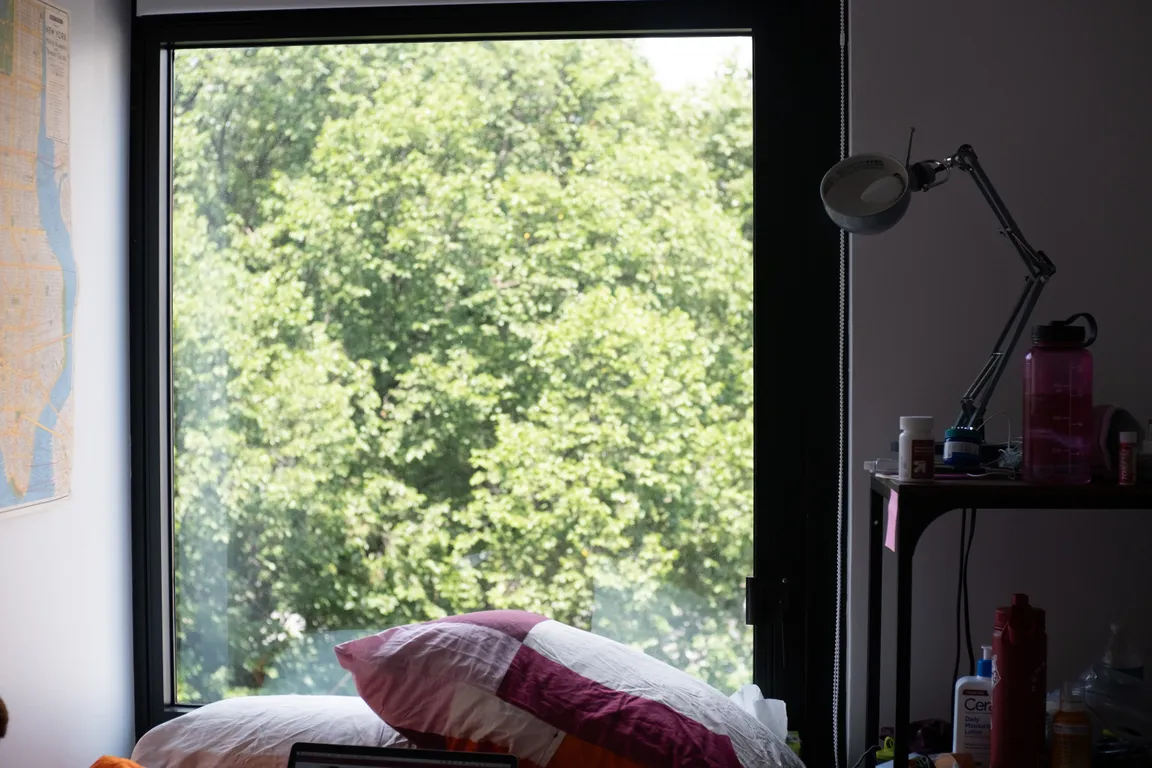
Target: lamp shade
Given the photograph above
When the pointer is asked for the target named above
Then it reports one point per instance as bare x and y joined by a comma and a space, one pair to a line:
866, 194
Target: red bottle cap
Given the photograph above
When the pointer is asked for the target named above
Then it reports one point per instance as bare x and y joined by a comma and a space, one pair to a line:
1021, 613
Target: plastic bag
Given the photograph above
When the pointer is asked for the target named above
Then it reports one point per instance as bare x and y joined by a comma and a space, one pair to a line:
1121, 702
772, 713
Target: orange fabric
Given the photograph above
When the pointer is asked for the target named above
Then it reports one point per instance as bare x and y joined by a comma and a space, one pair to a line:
572, 753
115, 762
454, 744
575, 753
457, 744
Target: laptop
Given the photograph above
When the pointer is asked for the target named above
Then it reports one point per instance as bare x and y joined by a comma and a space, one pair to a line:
342, 756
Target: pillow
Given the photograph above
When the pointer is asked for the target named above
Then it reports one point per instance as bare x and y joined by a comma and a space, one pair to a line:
553, 695
259, 731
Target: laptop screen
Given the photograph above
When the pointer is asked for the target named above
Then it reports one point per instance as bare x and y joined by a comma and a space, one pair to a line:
321, 757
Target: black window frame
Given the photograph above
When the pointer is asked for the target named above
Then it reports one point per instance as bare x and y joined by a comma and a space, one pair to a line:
794, 600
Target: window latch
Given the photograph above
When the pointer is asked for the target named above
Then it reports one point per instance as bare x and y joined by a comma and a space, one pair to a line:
764, 595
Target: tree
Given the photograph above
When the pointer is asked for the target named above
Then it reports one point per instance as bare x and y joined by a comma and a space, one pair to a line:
457, 326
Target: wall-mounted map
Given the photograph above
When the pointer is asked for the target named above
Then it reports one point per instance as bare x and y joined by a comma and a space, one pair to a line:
37, 269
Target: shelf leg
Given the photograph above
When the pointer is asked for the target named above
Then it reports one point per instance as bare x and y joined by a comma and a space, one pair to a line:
905, 548
875, 614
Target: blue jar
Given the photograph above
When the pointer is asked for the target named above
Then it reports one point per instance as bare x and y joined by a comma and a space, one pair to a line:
962, 447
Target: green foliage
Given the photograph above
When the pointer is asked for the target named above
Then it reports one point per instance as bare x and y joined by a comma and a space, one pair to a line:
457, 326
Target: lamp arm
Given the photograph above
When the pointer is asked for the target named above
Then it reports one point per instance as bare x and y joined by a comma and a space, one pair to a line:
1038, 265
974, 403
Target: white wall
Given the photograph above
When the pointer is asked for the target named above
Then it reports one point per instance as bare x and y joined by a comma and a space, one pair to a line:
1054, 97
65, 589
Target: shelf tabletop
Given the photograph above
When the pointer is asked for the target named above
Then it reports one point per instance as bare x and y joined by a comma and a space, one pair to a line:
988, 493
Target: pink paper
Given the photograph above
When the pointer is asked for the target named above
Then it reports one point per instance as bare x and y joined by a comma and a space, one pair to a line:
893, 511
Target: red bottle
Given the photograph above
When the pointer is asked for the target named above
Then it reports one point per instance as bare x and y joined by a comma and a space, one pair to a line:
1019, 682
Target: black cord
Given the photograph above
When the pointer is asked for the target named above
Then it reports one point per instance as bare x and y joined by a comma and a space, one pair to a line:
967, 614
960, 581
867, 752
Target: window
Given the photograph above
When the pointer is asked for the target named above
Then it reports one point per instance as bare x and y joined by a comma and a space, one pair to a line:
459, 326
462, 317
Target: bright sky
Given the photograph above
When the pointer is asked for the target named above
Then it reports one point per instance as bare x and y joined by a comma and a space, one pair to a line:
683, 61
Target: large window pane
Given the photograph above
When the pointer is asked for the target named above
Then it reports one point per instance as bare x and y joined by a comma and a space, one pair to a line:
460, 326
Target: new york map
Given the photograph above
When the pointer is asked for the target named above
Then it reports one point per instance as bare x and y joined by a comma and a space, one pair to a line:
37, 270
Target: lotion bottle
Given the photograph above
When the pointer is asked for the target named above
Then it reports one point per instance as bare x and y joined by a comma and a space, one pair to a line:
972, 726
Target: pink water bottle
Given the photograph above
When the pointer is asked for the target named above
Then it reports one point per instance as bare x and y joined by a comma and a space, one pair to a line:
1058, 403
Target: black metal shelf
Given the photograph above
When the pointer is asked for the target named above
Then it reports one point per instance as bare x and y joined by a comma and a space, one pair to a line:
919, 504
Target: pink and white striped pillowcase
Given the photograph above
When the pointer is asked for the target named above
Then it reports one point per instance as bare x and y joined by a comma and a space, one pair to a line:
553, 695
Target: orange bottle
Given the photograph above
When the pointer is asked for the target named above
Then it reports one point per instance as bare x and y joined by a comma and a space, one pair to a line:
1071, 731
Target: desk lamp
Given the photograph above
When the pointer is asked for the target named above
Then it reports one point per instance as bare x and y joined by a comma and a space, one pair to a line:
867, 194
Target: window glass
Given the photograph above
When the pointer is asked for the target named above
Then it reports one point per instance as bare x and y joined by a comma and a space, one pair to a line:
460, 326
